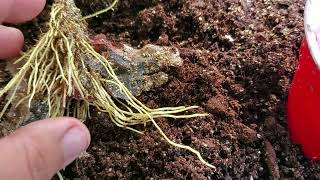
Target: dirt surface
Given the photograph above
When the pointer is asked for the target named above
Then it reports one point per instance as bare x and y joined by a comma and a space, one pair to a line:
239, 58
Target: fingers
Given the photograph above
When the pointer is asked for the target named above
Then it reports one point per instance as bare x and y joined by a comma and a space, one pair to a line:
5, 7
15, 11
39, 150
11, 42
21, 10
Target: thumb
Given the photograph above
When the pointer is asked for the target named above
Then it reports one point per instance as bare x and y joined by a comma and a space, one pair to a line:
39, 150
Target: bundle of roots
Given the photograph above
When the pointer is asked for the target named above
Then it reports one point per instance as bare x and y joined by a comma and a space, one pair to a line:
64, 71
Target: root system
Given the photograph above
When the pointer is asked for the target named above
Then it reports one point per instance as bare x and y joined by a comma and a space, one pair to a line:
63, 70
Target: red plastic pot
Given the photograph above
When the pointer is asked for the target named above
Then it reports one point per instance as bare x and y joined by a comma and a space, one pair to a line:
304, 95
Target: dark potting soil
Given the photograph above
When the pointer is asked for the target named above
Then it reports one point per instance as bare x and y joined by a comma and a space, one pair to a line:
239, 58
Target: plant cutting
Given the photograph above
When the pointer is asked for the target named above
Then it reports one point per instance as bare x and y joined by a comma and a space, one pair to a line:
64, 75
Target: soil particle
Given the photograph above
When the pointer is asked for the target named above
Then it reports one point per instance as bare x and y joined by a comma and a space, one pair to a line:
271, 161
247, 135
218, 105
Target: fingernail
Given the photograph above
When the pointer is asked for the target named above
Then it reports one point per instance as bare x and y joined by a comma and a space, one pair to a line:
75, 141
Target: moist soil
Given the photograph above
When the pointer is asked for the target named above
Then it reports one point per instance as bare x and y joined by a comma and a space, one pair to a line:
239, 59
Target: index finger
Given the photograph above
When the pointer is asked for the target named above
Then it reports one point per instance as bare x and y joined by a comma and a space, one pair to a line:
5, 7
20, 10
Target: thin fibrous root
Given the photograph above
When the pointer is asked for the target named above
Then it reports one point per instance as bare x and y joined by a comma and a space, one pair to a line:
63, 65
113, 4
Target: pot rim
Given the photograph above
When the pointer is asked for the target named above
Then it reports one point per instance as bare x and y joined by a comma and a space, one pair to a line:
310, 35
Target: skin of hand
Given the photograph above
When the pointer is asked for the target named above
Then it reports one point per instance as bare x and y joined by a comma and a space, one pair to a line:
40, 149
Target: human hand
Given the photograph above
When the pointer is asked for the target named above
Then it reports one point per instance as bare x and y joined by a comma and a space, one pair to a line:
38, 150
